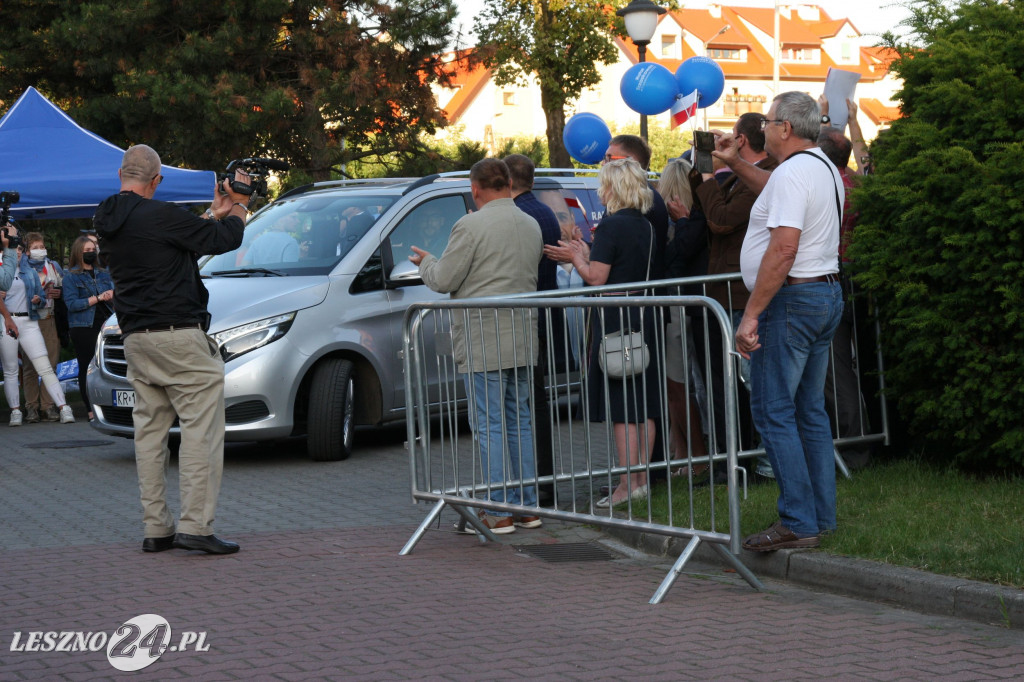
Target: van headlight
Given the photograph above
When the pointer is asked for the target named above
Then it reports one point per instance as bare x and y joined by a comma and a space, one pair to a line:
240, 340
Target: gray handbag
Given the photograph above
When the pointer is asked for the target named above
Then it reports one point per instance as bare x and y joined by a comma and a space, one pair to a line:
624, 355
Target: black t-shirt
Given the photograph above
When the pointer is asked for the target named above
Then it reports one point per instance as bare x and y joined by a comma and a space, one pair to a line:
658, 217
623, 241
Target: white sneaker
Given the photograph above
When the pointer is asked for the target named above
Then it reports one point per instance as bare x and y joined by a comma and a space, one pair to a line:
66, 415
16, 418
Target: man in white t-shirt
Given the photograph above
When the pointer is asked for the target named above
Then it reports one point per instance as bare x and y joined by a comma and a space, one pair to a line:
790, 263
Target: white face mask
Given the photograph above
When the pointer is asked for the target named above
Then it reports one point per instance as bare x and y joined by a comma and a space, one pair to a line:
37, 254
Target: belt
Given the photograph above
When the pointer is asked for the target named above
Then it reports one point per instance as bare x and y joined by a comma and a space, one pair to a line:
831, 277
170, 327
20, 314
635, 292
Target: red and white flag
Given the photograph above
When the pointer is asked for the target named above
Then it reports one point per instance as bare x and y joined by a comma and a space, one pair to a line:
683, 109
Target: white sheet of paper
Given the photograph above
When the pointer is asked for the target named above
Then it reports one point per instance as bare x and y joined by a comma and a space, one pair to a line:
840, 86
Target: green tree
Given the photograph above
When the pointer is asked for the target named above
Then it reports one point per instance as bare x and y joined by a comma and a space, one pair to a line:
319, 83
558, 42
940, 238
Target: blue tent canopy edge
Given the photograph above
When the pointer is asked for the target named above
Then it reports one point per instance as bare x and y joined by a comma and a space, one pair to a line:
62, 170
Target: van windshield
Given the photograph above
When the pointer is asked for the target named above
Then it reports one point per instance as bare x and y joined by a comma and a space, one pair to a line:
305, 235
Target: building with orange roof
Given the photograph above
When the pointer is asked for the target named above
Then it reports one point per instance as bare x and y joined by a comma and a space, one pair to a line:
740, 39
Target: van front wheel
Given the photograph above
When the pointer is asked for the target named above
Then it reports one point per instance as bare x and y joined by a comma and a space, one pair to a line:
331, 424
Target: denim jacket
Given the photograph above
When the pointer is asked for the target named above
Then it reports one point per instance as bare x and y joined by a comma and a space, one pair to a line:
78, 287
33, 288
10, 262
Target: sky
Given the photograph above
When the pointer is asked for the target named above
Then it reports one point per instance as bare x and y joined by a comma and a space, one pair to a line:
869, 16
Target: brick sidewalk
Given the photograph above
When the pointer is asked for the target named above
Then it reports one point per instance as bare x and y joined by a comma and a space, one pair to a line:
341, 604
319, 591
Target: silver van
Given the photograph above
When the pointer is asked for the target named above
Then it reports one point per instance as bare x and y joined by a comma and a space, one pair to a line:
308, 311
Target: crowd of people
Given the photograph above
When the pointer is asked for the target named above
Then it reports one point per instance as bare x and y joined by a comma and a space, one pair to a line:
771, 209
30, 287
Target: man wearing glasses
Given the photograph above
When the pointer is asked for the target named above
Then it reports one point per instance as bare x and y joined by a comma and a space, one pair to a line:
175, 369
790, 264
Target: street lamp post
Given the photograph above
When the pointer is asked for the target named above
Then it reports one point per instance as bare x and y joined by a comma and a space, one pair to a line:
641, 19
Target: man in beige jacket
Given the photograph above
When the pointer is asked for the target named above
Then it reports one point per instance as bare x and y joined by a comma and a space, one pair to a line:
494, 252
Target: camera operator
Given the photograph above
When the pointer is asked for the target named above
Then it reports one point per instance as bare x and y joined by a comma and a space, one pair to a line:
9, 242
173, 366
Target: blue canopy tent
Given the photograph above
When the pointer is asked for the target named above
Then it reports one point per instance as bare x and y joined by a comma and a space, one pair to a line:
62, 170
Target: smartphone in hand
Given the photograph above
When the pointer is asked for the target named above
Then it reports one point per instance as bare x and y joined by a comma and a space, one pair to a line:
703, 145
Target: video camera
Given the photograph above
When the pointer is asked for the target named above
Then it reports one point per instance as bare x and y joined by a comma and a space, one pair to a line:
6, 199
257, 169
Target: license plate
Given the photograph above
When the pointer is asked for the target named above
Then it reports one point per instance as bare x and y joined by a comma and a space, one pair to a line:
124, 397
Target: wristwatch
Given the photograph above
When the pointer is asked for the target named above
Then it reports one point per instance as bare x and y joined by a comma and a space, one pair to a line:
209, 214
825, 120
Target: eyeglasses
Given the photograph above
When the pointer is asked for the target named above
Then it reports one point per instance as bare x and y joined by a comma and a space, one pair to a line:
155, 177
766, 121
612, 157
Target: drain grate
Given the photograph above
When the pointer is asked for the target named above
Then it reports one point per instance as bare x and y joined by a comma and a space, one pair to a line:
63, 444
568, 551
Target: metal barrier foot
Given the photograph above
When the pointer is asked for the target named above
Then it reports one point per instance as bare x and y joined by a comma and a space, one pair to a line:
422, 528
677, 569
735, 562
841, 463
482, 531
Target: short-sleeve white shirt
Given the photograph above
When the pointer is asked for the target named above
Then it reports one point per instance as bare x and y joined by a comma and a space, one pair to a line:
800, 193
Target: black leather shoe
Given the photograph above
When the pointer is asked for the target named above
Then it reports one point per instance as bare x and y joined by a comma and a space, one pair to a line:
158, 544
210, 544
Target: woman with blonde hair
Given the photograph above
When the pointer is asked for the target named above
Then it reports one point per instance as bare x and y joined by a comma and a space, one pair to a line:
622, 252
89, 295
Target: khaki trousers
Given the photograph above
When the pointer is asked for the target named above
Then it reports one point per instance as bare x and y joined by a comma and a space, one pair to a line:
34, 397
177, 372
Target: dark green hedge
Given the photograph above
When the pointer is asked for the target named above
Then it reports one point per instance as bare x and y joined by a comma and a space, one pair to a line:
940, 238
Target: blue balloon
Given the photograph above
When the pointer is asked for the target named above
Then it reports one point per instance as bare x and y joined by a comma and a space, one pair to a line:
586, 137
703, 75
649, 88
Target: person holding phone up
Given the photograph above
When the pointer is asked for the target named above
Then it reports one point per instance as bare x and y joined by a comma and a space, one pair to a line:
23, 300
39, 404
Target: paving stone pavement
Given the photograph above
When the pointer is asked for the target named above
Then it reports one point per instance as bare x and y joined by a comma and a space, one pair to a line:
319, 591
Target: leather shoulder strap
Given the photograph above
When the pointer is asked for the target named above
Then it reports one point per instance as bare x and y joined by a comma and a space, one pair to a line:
839, 206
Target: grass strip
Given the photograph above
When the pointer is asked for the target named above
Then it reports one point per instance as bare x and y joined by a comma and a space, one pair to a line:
904, 512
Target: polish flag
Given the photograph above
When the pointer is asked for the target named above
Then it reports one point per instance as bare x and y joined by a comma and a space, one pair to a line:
683, 109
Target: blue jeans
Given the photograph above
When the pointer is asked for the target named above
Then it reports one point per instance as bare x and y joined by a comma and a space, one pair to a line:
788, 401
502, 401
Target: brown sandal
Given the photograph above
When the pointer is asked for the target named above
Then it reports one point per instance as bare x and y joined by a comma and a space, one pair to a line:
778, 537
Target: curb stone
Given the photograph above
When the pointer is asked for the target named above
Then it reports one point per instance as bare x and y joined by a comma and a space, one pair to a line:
908, 588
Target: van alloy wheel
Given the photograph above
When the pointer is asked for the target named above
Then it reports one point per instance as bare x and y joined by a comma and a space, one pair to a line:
331, 420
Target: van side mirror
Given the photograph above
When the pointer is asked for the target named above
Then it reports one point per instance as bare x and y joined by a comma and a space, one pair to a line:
404, 274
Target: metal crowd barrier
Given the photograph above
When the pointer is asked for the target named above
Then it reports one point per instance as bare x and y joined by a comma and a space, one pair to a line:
569, 408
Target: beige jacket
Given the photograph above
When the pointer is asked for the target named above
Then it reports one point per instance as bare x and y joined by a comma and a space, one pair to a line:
492, 252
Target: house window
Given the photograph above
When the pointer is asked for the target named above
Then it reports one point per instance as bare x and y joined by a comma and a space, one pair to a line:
847, 52
668, 47
803, 54
733, 55
508, 98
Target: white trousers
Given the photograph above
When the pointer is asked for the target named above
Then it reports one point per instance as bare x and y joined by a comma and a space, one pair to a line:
30, 338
